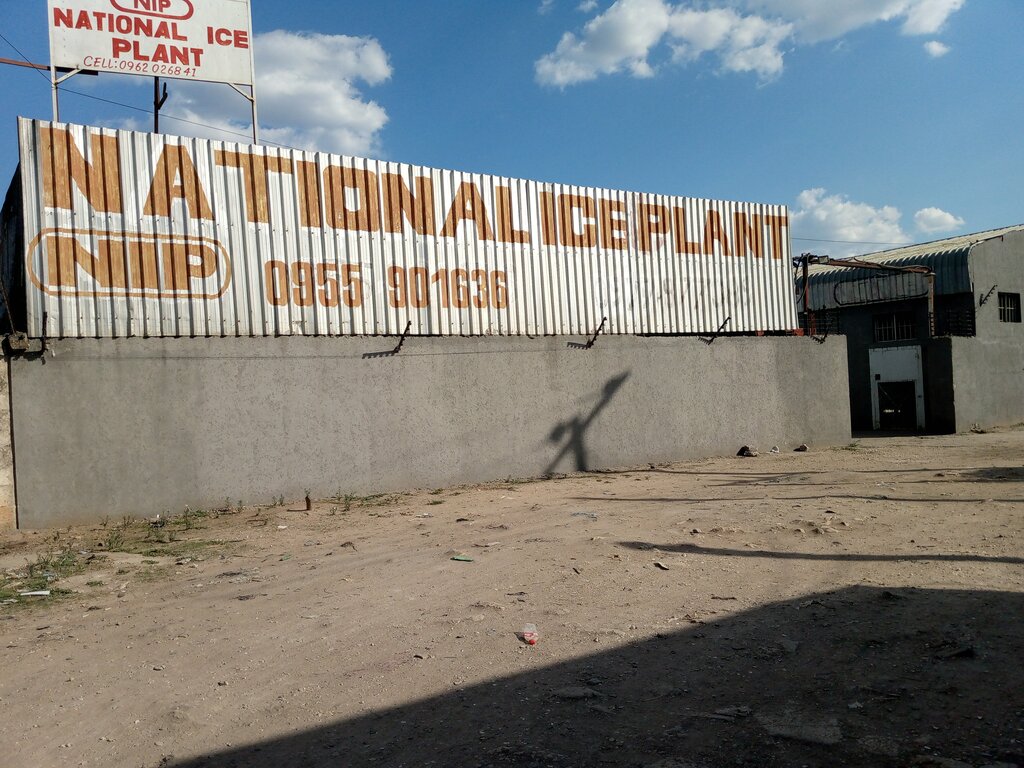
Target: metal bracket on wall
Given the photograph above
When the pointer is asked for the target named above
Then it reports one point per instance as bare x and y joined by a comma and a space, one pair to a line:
716, 334
987, 296
821, 339
396, 350
591, 340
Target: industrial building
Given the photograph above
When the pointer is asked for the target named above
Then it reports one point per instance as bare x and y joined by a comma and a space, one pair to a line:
934, 336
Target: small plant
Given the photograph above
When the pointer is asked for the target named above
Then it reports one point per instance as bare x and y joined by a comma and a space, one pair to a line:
333, 511
239, 506
435, 501
114, 540
94, 583
349, 498
105, 521
40, 575
187, 519
436, 491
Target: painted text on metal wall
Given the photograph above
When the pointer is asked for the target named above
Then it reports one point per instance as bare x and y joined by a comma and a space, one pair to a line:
140, 234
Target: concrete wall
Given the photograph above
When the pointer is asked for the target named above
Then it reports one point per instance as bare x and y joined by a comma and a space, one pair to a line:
988, 370
8, 518
988, 382
139, 426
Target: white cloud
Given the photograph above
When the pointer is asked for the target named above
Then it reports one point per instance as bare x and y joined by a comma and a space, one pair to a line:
545, 7
586, 6
745, 35
617, 40
816, 20
926, 17
861, 228
744, 43
934, 220
306, 92
936, 49
622, 38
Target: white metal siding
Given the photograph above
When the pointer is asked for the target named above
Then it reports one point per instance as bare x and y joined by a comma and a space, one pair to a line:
551, 289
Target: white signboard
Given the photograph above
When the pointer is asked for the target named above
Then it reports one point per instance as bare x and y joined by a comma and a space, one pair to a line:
186, 39
135, 234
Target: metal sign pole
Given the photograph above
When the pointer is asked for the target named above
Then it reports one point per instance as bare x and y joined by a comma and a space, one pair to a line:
53, 89
158, 101
255, 118
252, 85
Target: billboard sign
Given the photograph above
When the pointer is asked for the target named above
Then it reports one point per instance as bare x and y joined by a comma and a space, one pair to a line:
185, 39
137, 234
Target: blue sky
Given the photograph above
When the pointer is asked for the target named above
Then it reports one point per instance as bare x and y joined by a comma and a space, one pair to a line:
875, 121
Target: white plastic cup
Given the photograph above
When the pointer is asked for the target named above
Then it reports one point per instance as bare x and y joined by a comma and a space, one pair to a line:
530, 634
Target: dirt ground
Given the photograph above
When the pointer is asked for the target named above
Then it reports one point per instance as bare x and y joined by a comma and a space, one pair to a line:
859, 605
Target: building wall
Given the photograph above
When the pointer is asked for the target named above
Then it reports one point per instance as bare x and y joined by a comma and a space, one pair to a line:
857, 326
140, 426
988, 370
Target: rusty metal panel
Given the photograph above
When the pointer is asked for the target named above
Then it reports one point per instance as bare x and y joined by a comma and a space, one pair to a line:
137, 234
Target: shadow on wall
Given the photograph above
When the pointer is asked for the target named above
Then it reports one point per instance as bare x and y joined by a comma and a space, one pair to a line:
856, 677
572, 432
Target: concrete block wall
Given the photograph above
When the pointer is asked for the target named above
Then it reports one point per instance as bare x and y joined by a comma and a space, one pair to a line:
140, 426
8, 516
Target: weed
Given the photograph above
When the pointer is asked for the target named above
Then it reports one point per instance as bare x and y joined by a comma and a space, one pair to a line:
349, 498
176, 548
333, 511
380, 499
114, 541
94, 583
150, 574
436, 491
41, 574
105, 521
435, 501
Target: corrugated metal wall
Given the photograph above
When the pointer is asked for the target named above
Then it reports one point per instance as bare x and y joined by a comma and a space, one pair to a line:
137, 234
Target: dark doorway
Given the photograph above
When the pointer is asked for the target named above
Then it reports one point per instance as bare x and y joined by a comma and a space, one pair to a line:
897, 405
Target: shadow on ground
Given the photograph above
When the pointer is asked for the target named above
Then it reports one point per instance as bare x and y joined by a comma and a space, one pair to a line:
839, 557
856, 677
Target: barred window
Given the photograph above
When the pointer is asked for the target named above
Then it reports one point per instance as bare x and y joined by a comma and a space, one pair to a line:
894, 326
1009, 307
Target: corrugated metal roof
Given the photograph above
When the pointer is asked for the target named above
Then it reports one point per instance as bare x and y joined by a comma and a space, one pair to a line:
834, 286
